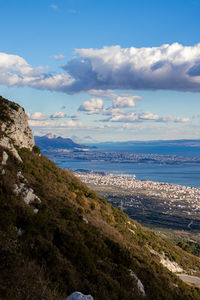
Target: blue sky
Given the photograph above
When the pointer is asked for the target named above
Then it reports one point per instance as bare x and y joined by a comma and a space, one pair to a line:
103, 70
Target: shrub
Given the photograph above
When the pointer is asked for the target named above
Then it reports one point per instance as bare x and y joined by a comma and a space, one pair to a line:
36, 149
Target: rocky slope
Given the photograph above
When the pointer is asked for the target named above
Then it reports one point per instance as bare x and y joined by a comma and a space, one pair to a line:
57, 236
14, 130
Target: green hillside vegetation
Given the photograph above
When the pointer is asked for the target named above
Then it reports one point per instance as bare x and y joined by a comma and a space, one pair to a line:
58, 236
76, 241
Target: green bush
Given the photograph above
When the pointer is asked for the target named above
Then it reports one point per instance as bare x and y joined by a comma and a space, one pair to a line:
36, 149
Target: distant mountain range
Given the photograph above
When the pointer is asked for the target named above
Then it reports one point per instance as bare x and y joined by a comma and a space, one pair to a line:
51, 142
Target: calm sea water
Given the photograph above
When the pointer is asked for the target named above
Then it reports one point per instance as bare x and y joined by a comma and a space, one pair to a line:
185, 174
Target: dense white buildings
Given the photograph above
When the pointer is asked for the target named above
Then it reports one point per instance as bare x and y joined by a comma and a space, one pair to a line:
182, 197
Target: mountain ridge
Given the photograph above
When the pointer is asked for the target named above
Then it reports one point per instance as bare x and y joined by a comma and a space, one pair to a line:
52, 142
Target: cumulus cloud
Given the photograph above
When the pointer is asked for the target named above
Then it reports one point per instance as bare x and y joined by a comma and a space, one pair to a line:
118, 113
93, 106
58, 115
52, 82
122, 101
15, 63
119, 100
171, 67
168, 67
37, 116
15, 71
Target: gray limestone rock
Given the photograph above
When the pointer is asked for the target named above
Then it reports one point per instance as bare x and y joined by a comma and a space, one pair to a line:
14, 130
28, 193
139, 283
6, 143
4, 159
79, 296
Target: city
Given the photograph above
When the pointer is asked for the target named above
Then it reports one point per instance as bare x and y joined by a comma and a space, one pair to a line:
115, 157
152, 203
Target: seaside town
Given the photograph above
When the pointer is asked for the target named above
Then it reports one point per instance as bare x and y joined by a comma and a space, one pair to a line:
117, 157
172, 197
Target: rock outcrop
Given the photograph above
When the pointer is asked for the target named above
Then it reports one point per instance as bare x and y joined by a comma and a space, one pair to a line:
14, 130
79, 296
139, 283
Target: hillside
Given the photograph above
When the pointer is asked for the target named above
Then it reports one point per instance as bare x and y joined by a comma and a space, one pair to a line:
57, 236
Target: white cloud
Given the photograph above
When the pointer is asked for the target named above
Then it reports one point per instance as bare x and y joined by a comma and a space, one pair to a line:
168, 67
110, 94
131, 117
15, 71
38, 116
15, 63
96, 105
119, 100
93, 106
54, 124
55, 82
58, 56
122, 101
58, 115
71, 124
117, 113
171, 67
110, 111
174, 119
39, 123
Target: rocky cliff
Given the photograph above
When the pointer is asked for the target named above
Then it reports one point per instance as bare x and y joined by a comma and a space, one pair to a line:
14, 130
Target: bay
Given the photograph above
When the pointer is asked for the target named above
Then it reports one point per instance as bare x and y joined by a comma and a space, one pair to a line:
184, 174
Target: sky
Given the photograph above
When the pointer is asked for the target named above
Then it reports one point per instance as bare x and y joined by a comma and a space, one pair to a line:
103, 70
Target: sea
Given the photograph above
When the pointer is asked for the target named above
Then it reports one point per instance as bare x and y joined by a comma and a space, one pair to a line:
187, 174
